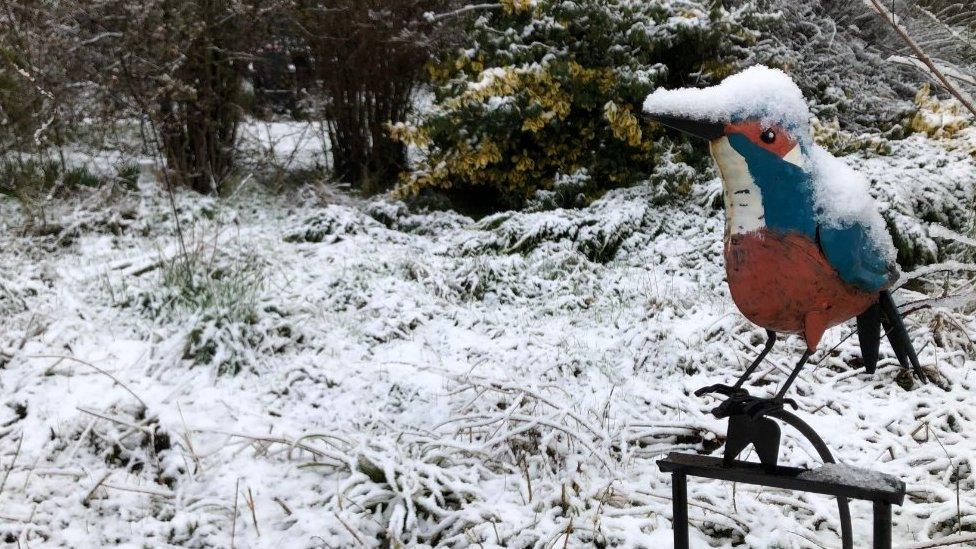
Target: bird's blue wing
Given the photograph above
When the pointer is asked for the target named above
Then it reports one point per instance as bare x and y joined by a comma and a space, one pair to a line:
857, 258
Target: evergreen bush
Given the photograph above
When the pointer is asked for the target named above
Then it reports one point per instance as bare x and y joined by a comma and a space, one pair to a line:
547, 96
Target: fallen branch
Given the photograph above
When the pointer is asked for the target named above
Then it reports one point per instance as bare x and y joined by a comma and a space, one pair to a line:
948, 71
946, 266
940, 231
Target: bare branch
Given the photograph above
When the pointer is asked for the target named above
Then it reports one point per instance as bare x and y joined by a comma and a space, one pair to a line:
433, 18
889, 18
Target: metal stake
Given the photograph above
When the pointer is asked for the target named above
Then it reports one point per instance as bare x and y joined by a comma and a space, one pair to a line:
882, 525
679, 513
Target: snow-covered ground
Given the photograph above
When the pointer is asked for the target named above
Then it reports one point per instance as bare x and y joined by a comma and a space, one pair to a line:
330, 372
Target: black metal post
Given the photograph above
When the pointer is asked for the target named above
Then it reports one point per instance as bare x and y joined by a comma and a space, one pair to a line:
679, 512
844, 508
882, 525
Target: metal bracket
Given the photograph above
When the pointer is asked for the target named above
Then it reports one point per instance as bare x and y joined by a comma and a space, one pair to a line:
765, 435
681, 466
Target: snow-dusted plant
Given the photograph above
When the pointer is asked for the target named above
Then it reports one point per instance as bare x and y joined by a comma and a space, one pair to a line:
544, 90
217, 296
833, 52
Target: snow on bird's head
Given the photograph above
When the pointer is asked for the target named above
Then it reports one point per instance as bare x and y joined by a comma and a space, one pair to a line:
758, 92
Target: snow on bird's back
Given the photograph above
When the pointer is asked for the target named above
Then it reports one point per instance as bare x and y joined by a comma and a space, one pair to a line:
759, 91
843, 196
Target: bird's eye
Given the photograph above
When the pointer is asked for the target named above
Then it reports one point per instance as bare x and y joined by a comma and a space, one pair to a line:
768, 137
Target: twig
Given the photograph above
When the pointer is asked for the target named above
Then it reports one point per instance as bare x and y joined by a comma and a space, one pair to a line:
233, 524
284, 506
141, 490
349, 529
113, 419
254, 517
97, 369
797, 534
91, 492
12, 463
955, 473
433, 18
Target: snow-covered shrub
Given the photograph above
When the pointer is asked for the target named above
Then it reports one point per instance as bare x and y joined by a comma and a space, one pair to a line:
397, 216
547, 89
597, 232
841, 142
217, 297
568, 191
329, 225
938, 118
184, 78
366, 57
831, 49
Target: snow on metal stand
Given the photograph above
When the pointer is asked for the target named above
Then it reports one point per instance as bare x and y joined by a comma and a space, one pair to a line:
763, 433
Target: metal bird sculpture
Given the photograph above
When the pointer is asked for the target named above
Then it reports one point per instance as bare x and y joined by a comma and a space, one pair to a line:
805, 246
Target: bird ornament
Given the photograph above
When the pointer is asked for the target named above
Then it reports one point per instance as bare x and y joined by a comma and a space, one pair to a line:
805, 246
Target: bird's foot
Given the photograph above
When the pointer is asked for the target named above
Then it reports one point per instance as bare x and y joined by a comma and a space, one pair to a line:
742, 403
760, 407
920, 374
721, 389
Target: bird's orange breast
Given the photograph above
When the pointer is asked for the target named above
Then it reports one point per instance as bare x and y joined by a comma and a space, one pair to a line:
782, 282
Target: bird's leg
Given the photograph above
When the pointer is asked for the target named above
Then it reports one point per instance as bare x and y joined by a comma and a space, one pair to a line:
770, 341
763, 406
796, 371
737, 388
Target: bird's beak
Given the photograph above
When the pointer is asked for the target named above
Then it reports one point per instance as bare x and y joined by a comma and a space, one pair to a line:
704, 129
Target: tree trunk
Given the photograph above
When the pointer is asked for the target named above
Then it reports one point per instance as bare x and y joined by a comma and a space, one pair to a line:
199, 133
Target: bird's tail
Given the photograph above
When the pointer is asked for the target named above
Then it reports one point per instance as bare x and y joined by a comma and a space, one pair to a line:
869, 334
869, 323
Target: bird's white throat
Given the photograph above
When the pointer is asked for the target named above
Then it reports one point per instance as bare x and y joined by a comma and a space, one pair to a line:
743, 201
744, 211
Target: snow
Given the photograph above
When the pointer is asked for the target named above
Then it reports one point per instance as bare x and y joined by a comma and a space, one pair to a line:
867, 479
505, 382
844, 199
759, 91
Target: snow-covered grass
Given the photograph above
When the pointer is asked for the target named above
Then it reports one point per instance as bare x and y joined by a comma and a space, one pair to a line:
339, 373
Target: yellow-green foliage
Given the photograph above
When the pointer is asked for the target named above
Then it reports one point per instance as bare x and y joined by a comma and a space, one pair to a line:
830, 136
937, 118
623, 124
515, 6
551, 88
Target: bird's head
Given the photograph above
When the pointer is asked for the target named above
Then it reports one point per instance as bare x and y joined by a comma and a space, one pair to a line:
752, 138
757, 125
760, 112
